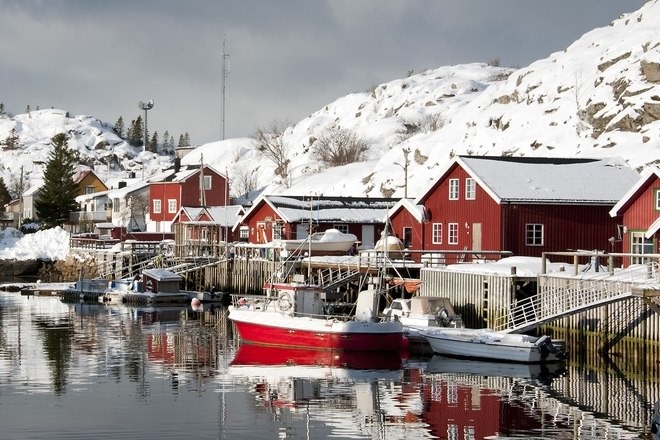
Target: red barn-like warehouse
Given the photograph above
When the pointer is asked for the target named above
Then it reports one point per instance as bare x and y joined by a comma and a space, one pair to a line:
524, 205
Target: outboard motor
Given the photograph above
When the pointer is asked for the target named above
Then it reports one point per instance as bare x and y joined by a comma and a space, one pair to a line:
544, 343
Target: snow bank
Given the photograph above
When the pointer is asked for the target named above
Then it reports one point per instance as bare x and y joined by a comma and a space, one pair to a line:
50, 244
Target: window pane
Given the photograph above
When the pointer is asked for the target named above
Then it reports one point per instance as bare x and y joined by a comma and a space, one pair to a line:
470, 189
453, 233
453, 189
534, 234
437, 233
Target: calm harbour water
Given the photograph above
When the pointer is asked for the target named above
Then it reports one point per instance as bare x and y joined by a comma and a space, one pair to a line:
71, 371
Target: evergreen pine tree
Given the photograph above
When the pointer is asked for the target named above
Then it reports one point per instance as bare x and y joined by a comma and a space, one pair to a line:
2, 109
12, 140
5, 197
153, 143
57, 197
166, 143
186, 139
171, 144
182, 142
27, 109
137, 132
119, 127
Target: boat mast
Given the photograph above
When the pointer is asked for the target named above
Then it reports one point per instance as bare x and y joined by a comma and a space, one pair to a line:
309, 239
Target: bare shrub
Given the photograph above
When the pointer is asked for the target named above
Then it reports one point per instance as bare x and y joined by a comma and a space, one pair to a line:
431, 122
270, 143
338, 146
245, 181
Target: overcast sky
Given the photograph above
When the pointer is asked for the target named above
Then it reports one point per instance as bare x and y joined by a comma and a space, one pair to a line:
287, 58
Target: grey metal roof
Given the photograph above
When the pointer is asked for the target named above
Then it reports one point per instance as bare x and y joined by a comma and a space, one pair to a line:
558, 180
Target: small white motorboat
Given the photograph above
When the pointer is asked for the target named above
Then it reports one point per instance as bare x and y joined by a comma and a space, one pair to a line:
418, 314
329, 242
489, 344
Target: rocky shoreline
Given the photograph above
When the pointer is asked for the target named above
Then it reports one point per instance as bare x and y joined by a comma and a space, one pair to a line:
70, 269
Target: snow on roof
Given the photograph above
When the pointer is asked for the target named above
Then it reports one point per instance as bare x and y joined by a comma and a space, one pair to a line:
120, 193
554, 180
162, 274
36, 186
225, 216
331, 209
655, 226
417, 211
525, 267
652, 172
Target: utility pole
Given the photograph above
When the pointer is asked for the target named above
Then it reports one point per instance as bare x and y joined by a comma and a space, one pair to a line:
225, 74
406, 163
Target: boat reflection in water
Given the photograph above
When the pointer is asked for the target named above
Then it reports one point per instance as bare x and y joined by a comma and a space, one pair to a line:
350, 393
543, 373
655, 421
260, 360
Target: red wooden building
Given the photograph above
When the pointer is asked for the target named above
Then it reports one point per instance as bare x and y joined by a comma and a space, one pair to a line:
639, 210
288, 217
189, 185
519, 204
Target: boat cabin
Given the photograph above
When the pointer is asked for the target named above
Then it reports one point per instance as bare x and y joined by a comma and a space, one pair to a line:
160, 281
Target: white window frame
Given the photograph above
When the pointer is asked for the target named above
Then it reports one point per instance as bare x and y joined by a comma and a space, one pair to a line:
244, 232
470, 188
452, 233
534, 234
277, 231
89, 189
657, 199
436, 233
207, 182
116, 204
157, 206
454, 189
171, 206
343, 228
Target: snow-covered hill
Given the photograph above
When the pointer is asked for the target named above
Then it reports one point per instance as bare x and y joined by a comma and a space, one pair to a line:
95, 141
599, 97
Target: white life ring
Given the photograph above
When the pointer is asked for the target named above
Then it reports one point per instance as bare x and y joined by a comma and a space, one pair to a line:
284, 302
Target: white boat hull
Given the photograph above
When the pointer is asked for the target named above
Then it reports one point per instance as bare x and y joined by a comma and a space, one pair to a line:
484, 344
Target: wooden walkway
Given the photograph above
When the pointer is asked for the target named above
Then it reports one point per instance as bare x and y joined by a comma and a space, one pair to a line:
566, 295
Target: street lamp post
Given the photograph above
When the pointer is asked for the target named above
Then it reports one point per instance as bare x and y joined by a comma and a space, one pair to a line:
146, 106
406, 162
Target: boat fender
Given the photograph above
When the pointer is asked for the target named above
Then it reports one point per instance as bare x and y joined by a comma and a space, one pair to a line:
284, 302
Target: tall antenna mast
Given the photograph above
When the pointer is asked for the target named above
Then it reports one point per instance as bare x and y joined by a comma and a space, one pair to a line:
225, 74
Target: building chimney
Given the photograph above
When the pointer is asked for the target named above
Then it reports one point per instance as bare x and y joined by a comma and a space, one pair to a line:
177, 164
